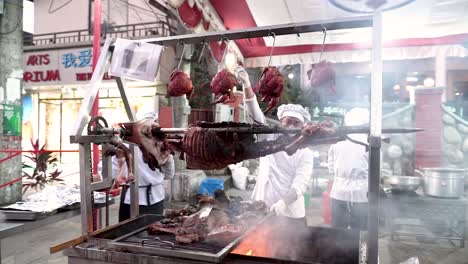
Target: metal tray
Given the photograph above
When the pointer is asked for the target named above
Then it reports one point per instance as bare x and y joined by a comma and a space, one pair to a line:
25, 215
166, 246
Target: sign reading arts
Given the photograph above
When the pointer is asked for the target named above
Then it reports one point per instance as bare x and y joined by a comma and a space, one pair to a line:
58, 67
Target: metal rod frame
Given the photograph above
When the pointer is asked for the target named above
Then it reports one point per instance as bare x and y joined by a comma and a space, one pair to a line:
286, 29
375, 141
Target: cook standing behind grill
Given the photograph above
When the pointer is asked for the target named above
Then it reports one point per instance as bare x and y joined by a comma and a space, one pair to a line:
349, 163
151, 189
282, 179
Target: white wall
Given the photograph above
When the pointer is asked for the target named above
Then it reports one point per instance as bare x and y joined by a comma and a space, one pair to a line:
51, 18
74, 14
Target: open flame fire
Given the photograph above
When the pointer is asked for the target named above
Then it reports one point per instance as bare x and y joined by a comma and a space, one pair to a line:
257, 243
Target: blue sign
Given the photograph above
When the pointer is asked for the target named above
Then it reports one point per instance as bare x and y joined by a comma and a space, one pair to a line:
368, 6
80, 59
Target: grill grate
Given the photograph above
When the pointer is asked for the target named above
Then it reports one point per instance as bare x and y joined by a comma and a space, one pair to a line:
167, 241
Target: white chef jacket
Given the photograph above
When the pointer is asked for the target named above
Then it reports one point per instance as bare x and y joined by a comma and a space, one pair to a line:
146, 176
279, 172
349, 163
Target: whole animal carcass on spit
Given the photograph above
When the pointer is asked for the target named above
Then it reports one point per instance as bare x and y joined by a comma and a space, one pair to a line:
208, 146
223, 85
270, 87
179, 84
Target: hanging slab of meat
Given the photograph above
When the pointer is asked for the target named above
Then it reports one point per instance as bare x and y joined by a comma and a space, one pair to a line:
179, 84
223, 85
270, 87
322, 73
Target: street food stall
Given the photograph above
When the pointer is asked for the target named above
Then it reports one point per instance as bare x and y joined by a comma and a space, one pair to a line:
133, 241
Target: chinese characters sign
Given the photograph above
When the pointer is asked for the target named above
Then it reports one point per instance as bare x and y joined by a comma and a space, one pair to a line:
83, 59
58, 67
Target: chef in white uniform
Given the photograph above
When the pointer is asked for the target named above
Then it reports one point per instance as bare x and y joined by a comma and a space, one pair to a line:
349, 163
151, 189
282, 179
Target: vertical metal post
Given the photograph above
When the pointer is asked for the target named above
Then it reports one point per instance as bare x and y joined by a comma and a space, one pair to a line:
96, 50
134, 201
375, 140
61, 130
85, 190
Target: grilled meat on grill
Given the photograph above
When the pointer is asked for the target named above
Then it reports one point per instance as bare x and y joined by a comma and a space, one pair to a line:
225, 234
220, 226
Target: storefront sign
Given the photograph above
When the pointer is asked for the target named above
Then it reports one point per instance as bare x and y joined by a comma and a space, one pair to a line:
11, 120
58, 67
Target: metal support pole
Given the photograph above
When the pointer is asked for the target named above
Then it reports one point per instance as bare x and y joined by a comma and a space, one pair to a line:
96, 50
375, 140
85, 190
134, 201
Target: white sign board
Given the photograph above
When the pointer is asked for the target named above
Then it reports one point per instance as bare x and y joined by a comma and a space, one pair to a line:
135, 60
58, 67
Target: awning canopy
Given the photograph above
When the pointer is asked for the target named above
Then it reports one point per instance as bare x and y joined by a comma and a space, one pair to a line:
438, 26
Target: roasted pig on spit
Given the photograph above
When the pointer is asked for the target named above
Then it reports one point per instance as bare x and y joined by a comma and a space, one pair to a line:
208, 146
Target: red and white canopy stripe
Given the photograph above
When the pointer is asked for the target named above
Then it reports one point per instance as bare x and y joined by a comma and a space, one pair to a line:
418, 30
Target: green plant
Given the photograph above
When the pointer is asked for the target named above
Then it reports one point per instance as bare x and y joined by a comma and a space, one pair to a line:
43, 170
201, 79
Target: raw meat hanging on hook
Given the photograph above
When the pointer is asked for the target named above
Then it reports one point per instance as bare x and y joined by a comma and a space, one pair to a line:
271, 84
223, 83
322, 73
270, 87
179, 82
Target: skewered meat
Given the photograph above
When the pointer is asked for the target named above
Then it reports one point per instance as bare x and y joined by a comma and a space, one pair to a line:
270, 87
222, 86
146, 134
208, 146
179, 84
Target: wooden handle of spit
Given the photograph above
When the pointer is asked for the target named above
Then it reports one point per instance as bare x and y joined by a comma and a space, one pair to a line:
70, 243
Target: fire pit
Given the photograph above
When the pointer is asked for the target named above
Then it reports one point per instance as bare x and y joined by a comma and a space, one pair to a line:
276, 241
272, 241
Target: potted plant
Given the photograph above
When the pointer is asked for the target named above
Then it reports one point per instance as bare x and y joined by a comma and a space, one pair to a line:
44, 169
